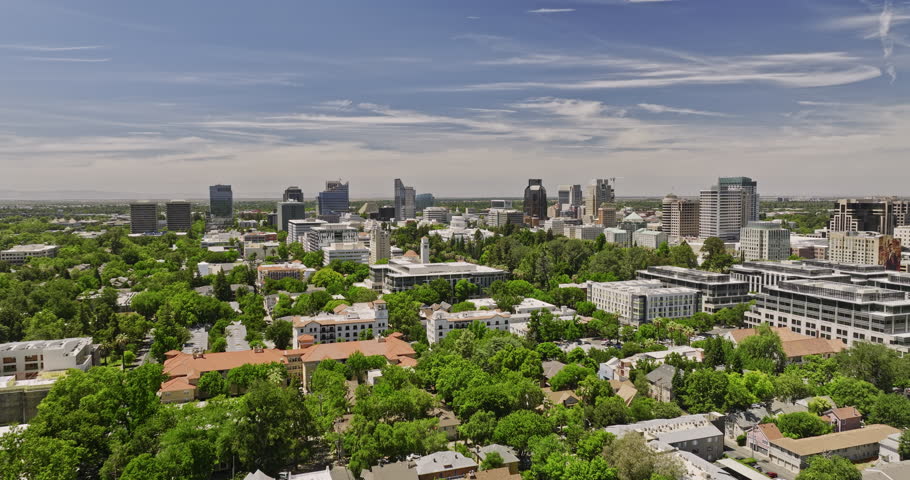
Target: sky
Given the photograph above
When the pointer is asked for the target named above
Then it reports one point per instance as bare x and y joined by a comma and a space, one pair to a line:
113, 99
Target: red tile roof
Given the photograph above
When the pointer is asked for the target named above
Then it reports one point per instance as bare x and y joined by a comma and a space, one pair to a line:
771, 431
391, 347
184, 365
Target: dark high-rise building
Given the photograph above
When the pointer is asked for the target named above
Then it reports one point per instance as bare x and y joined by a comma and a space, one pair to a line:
334, 200
289, 211
143, 217
221, 201
868, 215
293, 194
405, 201
386, 213
425, 200
535, 204
179, 215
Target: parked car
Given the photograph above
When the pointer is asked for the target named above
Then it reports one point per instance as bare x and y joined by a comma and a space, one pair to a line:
772, 475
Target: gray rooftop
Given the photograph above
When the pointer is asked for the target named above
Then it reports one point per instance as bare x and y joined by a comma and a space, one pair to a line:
443, 461
697, 433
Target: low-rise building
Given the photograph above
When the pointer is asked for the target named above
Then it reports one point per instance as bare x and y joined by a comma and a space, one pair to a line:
843, 419
259, 237
641, 301
649, 238
796, 345
616, 369
183, 370
442, 323
220, 239
25, 360
346, 323
583, 232
20, 254
889, 449
887, 471
346, 252
854, 445
446, 464
403, 274
660, 383
618, 236
295, 269
718, 290
696, 434
507, 454
307, 358
260, 251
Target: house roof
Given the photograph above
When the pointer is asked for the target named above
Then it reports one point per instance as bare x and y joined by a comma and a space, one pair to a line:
501, 473
627, 393
551, 368
443, 461
560, 397
794, 344
770, 431
844, 413
391, 471
662, 376
507, 453
391, 347
747, 418
835, 441
178, 384
884, 471
182, 364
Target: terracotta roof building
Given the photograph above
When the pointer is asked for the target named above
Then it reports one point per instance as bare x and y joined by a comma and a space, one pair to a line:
345, 323
393, 348
796, 345
184, 369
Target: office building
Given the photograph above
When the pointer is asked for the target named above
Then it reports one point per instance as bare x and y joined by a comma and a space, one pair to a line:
902, 233
221, 201
424, 200
405, 201
760, 274
679, 217
606, 215
835, 310
868, 248
20, 254
334, 200
597, 193
649, 238
717, 290
535, 199
618, 236
346, 324
436, 214
380, 247
727, 207
288, 211
570, 196
764, 241
641, 301
346, 252
502, 217
320, 237
401, 274
292, 194
24, 360
143, 217
179, 215
501, 204
442, 323
297, 229
583, 232
872, 215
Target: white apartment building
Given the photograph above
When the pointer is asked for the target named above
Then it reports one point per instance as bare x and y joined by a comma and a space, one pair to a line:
902, 233
718, 290
641, 301
21, 253
297, 229
649, 238
764, 241
834, 310
345, 324
858, 247
346, 252
402, 274
323, 236
442, 323
583, 232
760, 274
295, 269
25, 359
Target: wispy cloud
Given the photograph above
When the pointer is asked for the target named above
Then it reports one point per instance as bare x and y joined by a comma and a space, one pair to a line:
472, 17
877, 25
654, 108
552, 10
66, 59
568, 107
45, 48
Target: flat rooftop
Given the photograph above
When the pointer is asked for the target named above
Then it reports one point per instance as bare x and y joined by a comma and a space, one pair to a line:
35, 247
70, 344
843, 291
691, 274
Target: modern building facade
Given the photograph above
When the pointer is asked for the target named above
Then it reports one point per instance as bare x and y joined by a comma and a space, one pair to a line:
761, 274
405, 201
868, 248
597, 193
679, 217
346, 252
400, 275
764, 241
835, 310
143, 217
873, 215
618, 236
25, 360
424, 200
221, 201
717, 290
442, 323
346, 324
179, 215
20, 254
641, 301
335, 199
380, 245
535, 199
436, 214
727, 207
320, 237
288, 211
583, 232
297, 229
649, 238
292, 194
502, 217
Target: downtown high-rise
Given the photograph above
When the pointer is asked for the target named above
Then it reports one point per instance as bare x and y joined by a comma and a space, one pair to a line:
597, 193
179, 215
292, 194
727, 207
334, 199
405, 201
535, 199
221, 201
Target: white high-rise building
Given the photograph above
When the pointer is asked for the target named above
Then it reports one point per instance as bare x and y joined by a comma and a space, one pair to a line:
297, 229
764, 241
727, 207
869, 248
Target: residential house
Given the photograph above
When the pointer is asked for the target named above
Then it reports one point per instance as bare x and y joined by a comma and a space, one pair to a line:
551, 368
448, 422
625, 390
508, 455
616, 369
889, 448
738, 423
660, 382
391, 471
759, 438
843, 419
444, 465
855, 445
566, 398
494, 474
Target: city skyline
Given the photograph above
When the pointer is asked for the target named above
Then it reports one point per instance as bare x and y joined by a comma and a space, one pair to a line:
102, 94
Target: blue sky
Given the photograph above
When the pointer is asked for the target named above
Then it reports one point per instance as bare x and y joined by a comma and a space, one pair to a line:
135, 99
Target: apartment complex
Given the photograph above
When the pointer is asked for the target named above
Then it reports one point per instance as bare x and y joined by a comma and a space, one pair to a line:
345, 324
24, 360
834, 310
868, 248
143, 217
854, 445
760, 274
679, 217
764, 241
442, 323
346, 252
179, 215
641, 301
335, 199
717, 290
696, 434
401, 274
20, 254
727, 207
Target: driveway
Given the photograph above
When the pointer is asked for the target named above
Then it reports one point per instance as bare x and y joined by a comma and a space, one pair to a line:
236, 337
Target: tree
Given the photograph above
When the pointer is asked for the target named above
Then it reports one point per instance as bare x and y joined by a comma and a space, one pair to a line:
829, 468
683, 256
819, 405
569, 377
463, 307
634, 459
891, 409
850, 391
608, 411
492, 460
802, 425
874, 363
212, 384
479, 428
585, 309
517, 428
24, 455
281, 332
903, 447
705, 391
464, 290
221, 288
762, 351
716, 257
329, 279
